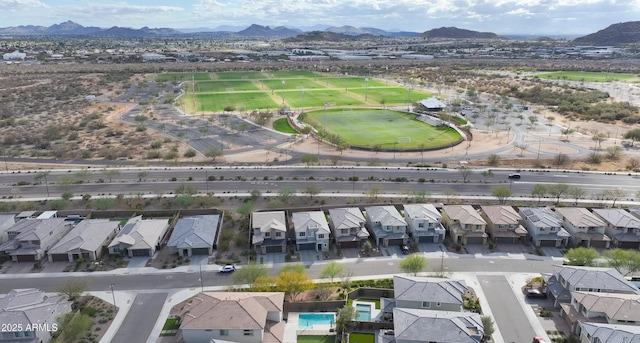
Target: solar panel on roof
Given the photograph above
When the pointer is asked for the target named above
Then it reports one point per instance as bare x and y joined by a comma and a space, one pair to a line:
527, 211
127, 228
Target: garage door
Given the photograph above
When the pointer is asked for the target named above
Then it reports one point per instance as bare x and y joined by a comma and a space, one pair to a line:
396, 241
140, 252
599, 244
273, 248
200, 251
504, 240
308, 246
426, 239
349, 244
547, 243
474, 240
26, 258
60, 257
629, 245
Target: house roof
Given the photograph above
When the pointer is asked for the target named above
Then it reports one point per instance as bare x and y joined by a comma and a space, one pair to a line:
88, 235
6, 221
346, 217
32, 306
195, 232
36, 229
615, 305
267, 221
140, 233
618, 217
580, 217
436, 326
385, 215
432, 102
429, 289
427, 212
541, 217
231, 310
303, 221
605, 279
466, 214
612, 333
501, 215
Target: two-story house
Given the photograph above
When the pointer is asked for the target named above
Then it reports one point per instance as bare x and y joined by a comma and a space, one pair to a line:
348, 226
621, 226
465, 224
503, 224
544, 227
242, 317
312, 230
412, 325
30, 239
430, 293
424, 223
586, 228
601, 333
269, 232
386, 225
620, 309
566, 279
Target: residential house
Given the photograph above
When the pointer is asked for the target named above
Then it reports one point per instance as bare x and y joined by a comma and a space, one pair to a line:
348, 226
424, 223
413, 326
503, 224
465, 224
87, 240
386, 225
312, 230
586, 228
33, 309
635, 212
610, 308
139, 237
566, 279
269, 232
195, 235
544, 227
430, 293
605, 333
6, 221
242, 317
621, 226
30, 239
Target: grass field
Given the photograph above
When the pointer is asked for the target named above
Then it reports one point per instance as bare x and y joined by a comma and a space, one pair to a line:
291, 84
589, 76
381, 128
222, 86
390, 95
351, 82
291, 74
216, 102
359, 337
238, 75
317, 98
182, 77
316, 339
282, 125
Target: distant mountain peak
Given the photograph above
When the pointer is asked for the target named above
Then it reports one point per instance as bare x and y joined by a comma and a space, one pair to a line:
456, 33
616, 34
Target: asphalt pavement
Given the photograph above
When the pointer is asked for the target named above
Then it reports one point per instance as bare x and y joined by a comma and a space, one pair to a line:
141, 318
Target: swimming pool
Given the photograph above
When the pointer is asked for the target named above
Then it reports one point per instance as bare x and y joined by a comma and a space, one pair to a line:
308, 320
364, 312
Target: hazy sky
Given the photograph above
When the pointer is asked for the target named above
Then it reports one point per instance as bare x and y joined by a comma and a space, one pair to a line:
562, 17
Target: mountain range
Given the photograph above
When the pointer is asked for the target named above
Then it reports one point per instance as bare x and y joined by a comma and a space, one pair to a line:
621, 33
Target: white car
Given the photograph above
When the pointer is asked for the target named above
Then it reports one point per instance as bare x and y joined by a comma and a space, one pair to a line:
229, 268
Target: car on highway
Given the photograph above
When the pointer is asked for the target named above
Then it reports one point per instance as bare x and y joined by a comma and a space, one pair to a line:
229, 268
536, 294
514, 176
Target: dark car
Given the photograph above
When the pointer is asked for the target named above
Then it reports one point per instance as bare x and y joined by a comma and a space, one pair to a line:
404, 249
536, 294
514, 176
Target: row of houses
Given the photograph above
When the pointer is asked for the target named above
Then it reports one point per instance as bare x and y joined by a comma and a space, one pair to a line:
71, 238
464, 224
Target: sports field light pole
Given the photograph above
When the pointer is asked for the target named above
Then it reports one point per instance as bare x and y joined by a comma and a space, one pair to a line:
302, 112
282, 92
324, 119
408, 99
366, 88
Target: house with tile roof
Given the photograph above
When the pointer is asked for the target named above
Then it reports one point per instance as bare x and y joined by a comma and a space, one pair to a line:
424, 223
269, 232
610, 308
386, 225
586, 228
312, 230
31, 308
413, 326
464, 224
608, 333
195, 235
242, 317
30, 239
544, 227
622, 226
348, 226
430, 293
504, 224
139, 237
86, 241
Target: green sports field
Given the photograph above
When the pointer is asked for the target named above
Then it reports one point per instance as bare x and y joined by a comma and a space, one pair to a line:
182, 77
385, 129
221, 86
589, 76
217, 102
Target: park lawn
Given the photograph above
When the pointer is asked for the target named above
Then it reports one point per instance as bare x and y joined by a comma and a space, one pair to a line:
359, 337
351, 82
390, 95
291, 84
292, 74
317, 98
282, 125
316, 339
182, 77
223, 86
382, 128
239, 75
587, 76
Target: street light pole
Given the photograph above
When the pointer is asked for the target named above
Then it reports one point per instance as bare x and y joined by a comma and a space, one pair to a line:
201, 280
113, 294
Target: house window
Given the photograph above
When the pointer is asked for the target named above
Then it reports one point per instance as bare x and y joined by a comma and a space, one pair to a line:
248, 332
224, 332
420, 224
426, 304
321, 235
344, 231
267, 234
301, 234
278, 234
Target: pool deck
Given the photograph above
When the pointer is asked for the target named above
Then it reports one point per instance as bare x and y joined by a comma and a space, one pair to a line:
374, 312
291, 330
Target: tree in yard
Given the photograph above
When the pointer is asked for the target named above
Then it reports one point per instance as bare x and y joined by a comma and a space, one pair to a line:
285, 194
345, 320
72, 327
309, 159
558, 190
312, 190
72, 287
582, 256
465, 172
366, 248
539, 191
489, 329
213, 153
293, 284
413, 264
614, 194
502, 194
262, 284
624, 261
110, 173
249, 273
245, 209
633, 135
577, 193
324, 291
331, 270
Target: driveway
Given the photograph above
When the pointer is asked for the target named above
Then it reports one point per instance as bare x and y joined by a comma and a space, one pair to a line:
141, 318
